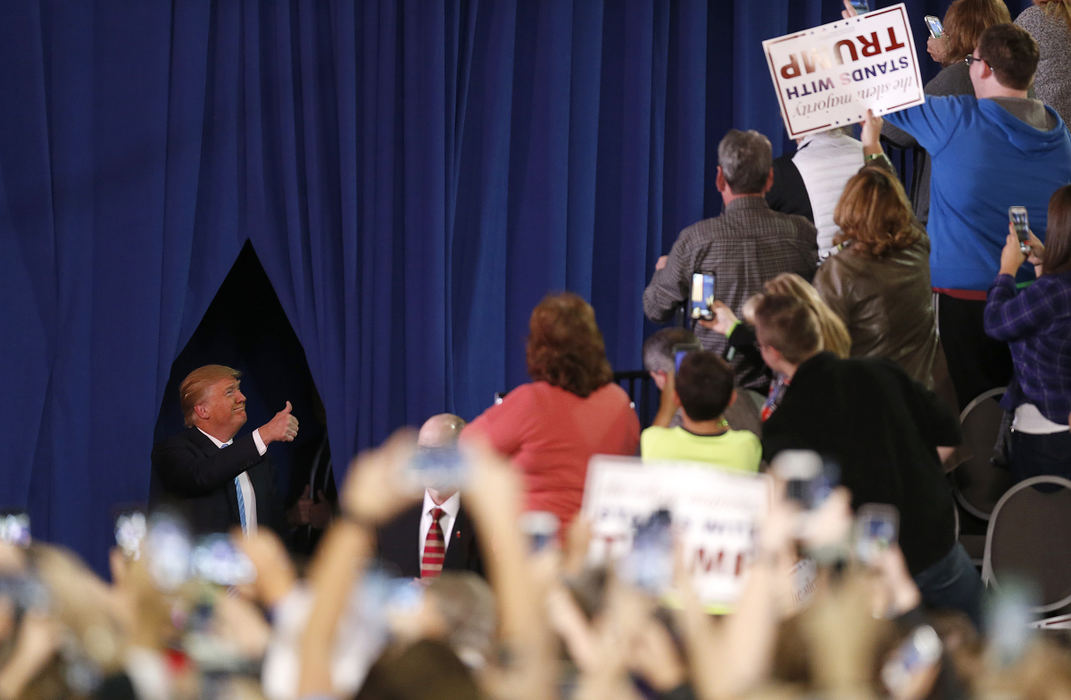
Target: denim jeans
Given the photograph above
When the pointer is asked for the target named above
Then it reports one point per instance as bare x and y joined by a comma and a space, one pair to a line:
1037, 455
952, 583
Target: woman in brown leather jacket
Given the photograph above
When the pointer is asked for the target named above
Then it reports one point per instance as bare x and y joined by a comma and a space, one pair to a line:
879, 282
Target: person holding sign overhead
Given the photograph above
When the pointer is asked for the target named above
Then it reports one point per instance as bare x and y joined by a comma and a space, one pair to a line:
964, 22
990, 152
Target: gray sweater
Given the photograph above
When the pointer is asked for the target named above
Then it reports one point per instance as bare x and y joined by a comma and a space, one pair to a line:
1052, 82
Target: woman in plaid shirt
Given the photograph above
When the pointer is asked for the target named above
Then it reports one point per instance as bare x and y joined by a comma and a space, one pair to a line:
1036, 323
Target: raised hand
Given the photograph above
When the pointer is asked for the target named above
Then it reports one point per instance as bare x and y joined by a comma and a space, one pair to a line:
937, 47
299, 513
1011, 257
374, 490
282, 428
275, 571
723, 320
871, 133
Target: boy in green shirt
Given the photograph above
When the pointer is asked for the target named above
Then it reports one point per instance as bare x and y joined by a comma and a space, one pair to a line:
703, 389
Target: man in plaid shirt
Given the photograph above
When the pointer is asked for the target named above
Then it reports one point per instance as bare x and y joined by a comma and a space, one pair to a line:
743, 247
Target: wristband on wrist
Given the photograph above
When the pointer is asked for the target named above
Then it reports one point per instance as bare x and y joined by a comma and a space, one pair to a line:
868, 158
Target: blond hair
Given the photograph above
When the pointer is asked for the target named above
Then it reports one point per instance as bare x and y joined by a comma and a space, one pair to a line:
1057, 8
835, 337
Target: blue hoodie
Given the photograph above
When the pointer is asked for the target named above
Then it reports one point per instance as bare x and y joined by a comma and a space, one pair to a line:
985, 160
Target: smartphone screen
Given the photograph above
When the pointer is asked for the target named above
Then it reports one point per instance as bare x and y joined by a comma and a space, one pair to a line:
808, 478
649, 564
130, 530
167, 549
540, 527
702, 296
679, 351
876, 528
440, 468
216, 559
861, 6
1019, 218
918, 654
934, 25
1007, 621
15, 528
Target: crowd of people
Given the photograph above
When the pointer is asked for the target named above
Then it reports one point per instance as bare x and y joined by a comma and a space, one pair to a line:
845, 321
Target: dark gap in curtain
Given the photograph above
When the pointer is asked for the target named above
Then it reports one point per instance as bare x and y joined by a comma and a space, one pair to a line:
245, 327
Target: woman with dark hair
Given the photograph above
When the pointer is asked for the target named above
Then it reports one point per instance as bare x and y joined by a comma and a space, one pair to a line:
879, 282
1036, 323
570, 410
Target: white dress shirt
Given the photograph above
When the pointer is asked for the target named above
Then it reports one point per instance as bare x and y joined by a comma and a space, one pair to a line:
450, 508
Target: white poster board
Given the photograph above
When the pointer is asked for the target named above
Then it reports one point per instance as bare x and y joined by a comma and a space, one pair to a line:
716, 513
828, 76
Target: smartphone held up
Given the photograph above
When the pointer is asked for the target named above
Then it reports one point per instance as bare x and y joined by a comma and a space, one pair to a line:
934, 26
1019, 219
702, 299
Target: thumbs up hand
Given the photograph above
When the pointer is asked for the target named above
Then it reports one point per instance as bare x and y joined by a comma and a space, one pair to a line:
283, 427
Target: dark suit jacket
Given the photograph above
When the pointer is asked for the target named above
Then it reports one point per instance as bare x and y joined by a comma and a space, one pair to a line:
882, 429
195, 477
397, 544
789, 193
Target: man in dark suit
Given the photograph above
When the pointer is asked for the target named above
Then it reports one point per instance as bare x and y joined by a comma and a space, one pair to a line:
409, 543
214, 479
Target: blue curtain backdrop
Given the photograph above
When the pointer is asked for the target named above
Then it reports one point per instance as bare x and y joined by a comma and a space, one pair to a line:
413, 175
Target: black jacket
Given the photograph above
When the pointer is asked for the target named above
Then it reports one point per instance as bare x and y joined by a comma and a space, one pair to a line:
882, 429
397, 544
195, 477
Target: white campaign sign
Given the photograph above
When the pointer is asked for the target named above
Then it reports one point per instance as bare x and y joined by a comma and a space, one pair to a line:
830, 75
716, 513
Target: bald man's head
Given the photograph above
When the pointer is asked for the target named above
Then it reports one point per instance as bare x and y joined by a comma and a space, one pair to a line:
440, 430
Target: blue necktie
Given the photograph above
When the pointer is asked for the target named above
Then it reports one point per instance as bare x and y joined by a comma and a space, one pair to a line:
241, 498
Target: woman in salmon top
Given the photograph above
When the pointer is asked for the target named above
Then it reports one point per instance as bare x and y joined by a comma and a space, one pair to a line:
571, 410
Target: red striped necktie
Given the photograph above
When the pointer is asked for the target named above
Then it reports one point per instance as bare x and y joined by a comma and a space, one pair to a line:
431, 565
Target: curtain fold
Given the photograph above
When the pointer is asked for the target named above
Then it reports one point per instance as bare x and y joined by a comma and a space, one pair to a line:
413, 177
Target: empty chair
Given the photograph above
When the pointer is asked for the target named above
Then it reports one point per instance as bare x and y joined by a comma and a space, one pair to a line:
1027, 540
978, 482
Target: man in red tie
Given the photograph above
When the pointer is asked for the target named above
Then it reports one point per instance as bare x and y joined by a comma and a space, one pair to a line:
444, 536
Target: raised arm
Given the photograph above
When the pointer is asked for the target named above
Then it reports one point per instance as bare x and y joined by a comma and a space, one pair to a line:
493, 499
190, 469
370, 496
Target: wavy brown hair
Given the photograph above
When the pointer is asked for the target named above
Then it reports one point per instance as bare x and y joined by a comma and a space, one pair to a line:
964, 22
1057, 256
565, 347
874, 214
